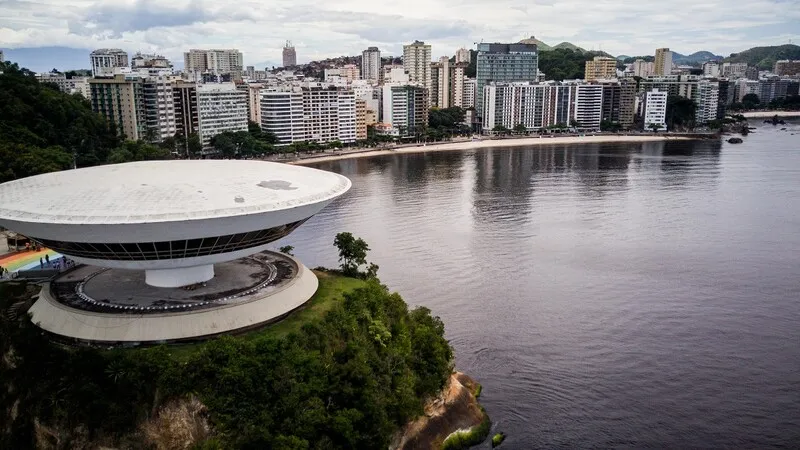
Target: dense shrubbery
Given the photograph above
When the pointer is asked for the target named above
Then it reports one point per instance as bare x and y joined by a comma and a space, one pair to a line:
347, 380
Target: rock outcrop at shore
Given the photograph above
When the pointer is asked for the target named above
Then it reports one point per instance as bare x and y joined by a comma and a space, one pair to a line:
456, 408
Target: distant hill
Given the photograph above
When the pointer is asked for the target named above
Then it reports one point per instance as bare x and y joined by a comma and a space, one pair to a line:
765, 57
695, 58
543, 47
623, 57
570, 46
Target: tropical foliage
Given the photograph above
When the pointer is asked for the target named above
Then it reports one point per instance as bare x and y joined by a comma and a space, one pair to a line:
43, 129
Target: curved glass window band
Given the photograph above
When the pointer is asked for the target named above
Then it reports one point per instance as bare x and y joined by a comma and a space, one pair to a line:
186, 248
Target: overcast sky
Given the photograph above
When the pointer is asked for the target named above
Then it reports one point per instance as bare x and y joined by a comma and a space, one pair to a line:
322, 29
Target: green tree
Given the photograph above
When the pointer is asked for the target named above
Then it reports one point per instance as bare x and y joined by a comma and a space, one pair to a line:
224, 144
680, 112
194, 145
36, 119
352, 252
288, 249
750, 101
520, 129
655, 127
500, 129
609, 125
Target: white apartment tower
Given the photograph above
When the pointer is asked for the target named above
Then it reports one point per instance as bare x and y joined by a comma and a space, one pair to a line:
711, 69
589, 105
282, 114
310, 114
221, 107
159, 108
417, 63
105, 60
654, 109
707, 100
371, 64
469, 93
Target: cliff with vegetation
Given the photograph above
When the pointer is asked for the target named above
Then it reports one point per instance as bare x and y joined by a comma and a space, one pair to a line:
348, 371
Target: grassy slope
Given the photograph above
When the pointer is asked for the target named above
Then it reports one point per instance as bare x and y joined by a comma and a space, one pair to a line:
331, 289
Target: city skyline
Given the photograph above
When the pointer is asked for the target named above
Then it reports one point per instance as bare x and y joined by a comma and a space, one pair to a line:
318, 33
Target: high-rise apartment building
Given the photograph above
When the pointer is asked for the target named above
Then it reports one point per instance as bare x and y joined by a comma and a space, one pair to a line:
440, 83
371, 64
289, 55
663, 62
469, 93
417, 63
184, 100
600, 68
159, 108
787, 67
105, 60
533, 105
282, 114
405, 108
457, 76
221, 107
588, 106
711, 69
619, 102
707, 101
734, 70
319, 114
642, 68
213, 61
120, 99
254, 102
463, 55
447, 83
361, 119
654, 109
504, 62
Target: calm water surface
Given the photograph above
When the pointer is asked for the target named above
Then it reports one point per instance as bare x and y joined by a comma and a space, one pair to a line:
643, 295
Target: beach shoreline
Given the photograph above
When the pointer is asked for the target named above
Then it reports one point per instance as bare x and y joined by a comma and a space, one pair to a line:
768, 114
486, 143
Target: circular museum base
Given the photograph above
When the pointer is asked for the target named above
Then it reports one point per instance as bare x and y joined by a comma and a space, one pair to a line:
112, 306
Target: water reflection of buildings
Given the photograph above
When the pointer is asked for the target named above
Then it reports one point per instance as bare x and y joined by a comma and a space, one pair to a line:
679, 164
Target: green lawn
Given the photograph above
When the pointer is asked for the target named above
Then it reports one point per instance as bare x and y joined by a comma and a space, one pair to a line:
332, 286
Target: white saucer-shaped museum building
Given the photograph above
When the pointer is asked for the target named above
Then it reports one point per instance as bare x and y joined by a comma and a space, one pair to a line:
172, 221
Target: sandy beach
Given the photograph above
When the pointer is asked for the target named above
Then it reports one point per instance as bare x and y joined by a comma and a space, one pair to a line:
767, 114
471, 145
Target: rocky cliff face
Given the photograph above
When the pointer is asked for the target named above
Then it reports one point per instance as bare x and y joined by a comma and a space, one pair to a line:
456, 408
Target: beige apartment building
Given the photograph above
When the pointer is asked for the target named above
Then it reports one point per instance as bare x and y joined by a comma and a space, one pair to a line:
600, 68
121, 100
361, 119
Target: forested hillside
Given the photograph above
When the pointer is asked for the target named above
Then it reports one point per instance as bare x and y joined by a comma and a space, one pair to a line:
764, 57
43, 129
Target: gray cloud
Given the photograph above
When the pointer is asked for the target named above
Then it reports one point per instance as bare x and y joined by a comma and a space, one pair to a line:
322, 29
116, 19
